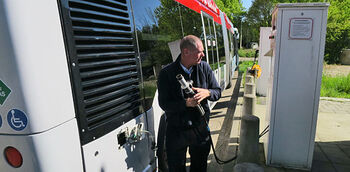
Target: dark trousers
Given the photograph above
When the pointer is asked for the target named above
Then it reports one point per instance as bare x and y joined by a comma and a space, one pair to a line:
177, 142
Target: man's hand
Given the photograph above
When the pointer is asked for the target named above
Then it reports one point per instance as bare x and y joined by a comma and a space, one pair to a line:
191, 102
201, 94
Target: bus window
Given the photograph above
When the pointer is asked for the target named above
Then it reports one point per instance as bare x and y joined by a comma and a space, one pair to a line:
210, 42
214, 45
157, 24
221, 52
230, 43
191, 22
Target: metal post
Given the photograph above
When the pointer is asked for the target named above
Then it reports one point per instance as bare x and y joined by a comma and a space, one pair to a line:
241, 34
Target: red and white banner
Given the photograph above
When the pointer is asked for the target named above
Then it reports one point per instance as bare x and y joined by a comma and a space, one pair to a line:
207, 6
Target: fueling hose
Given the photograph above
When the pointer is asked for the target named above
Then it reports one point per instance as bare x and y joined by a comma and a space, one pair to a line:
187, 87
266, 130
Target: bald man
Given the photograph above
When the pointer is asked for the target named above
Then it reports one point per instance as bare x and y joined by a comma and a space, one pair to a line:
186, 128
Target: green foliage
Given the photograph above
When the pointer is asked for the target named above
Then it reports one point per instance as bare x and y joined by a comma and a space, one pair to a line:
338, 24
214, 66
243, 65
233, 9
338, 30
150, 88
338, 86
258, 15
295, 1
246, 53
242, 68
168, 19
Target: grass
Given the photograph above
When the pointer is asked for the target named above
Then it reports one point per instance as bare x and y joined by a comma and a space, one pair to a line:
214, 66
336, 86
242, 68
150, 88
246, 53
243, 65
332, 86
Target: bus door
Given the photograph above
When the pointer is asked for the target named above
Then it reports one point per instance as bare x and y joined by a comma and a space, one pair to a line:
210, 43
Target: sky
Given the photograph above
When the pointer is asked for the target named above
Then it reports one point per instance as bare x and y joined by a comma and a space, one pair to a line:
246, 3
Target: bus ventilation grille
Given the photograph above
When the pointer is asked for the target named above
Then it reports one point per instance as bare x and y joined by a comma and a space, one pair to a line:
103, 64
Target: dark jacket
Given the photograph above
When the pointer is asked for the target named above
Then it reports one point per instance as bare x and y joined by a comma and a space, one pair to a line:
172, 98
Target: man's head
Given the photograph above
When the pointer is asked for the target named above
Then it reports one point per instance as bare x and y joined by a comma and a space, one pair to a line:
191, 50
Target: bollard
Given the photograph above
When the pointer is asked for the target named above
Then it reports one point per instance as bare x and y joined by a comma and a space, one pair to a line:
249, 78
248, 105
249, 98
250, 88
248, 149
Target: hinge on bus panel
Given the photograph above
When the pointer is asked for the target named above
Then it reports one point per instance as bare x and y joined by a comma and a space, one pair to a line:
129, 137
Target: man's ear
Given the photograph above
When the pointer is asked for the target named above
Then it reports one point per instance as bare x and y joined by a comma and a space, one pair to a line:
186, 51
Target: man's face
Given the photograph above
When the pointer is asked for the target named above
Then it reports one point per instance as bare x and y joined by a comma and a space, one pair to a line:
196, 54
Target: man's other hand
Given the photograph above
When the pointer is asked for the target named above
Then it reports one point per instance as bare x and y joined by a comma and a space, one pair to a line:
201, 94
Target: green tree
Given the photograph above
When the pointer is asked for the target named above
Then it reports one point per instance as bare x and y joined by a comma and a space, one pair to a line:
338, 30
233, 9
258, 15
338, 24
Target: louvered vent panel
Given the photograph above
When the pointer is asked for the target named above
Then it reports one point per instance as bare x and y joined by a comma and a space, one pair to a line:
105, 64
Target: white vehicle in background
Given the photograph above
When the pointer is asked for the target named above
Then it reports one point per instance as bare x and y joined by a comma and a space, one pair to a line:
78, 79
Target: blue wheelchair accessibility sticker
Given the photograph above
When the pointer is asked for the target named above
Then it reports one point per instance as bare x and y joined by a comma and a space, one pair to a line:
17, 119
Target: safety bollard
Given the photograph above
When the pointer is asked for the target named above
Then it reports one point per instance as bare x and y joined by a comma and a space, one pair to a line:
249, 97
249, 78
248, 149
250, 88
248, 104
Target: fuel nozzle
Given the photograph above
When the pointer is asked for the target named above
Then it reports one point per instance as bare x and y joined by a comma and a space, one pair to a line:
187, 87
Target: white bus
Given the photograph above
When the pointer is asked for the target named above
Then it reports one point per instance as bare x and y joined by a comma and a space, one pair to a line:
78, 79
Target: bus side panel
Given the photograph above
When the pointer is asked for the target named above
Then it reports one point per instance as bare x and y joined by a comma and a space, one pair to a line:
55, 150
228, 75
157, 114
105, 154
33, 65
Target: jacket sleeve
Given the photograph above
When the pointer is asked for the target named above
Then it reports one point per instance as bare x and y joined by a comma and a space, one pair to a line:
167, 100
213, 86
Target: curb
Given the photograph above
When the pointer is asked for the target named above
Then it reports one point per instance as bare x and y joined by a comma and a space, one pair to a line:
335, 99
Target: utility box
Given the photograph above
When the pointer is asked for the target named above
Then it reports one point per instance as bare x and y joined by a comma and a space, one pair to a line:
264, 61
297, 48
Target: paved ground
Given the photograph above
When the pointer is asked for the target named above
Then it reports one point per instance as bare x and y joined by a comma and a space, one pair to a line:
332, 148
335, 70
225, 127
